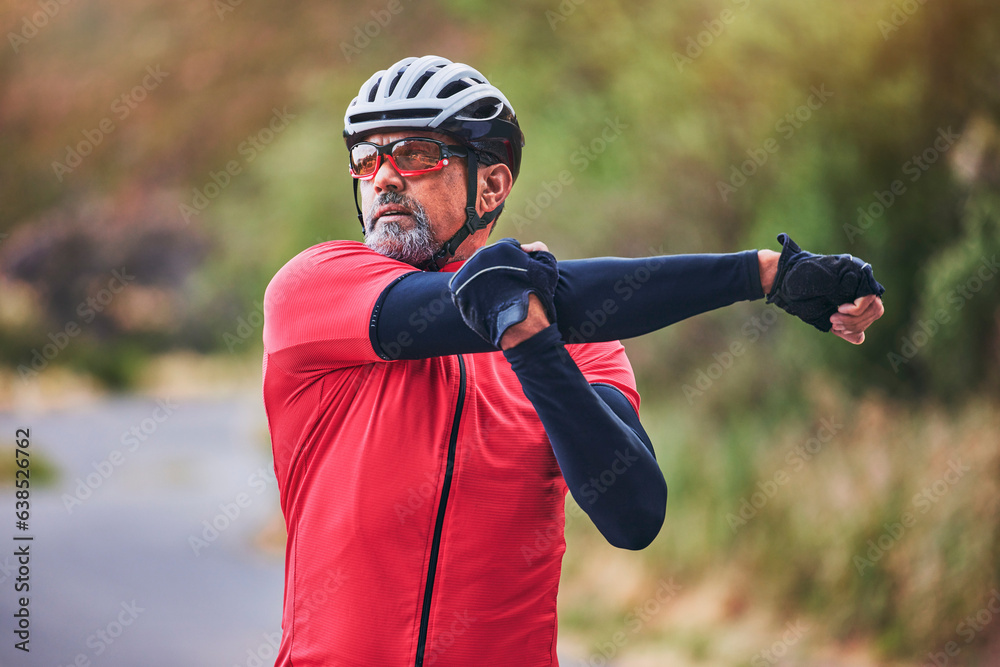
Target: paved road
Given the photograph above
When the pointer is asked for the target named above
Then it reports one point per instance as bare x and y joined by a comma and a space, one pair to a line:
114, 579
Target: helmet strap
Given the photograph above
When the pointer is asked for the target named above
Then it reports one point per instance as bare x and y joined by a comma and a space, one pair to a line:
473, 222
361, 218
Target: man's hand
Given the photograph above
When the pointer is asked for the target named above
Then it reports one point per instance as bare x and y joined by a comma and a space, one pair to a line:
536, 319
532, 324
851, 319
505, 291
830, 292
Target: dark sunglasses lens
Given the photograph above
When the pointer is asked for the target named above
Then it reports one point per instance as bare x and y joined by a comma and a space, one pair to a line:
416, 155
364, 157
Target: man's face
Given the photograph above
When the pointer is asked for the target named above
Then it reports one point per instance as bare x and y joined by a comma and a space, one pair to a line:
408, 218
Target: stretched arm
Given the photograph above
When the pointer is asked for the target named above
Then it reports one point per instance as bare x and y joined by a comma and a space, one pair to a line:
596, 300
603, 453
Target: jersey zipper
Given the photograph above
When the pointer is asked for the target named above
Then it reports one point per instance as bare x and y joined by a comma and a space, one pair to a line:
425, 613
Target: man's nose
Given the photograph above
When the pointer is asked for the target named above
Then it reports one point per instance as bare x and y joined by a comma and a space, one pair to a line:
387, 178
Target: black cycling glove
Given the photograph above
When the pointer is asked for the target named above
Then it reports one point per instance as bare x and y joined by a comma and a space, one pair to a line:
812, 287
491, 289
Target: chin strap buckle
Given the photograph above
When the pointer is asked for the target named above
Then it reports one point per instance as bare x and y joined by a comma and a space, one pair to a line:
473, 223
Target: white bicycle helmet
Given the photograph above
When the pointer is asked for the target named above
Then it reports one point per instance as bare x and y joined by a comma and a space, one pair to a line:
435, 94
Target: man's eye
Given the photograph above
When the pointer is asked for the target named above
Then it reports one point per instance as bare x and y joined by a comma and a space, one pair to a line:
365, 162
418, 156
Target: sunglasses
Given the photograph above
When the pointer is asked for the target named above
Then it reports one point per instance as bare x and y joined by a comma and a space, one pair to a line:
409, 156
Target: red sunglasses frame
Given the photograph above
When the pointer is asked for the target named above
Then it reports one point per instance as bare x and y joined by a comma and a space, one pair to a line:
447, 151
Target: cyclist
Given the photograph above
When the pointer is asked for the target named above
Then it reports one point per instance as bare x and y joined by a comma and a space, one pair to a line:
431, 399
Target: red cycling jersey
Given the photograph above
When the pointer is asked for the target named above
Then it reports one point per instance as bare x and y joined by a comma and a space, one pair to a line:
423, 503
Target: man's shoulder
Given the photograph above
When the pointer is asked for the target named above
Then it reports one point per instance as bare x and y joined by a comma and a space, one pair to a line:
330, 257
333, 250
330, 272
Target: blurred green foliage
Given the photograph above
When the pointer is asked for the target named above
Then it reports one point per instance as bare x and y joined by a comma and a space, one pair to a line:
716, 148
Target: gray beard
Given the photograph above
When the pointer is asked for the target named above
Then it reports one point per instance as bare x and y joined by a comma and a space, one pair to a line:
413, 246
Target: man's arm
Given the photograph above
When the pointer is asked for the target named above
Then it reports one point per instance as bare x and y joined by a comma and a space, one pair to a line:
597, 300
603, 452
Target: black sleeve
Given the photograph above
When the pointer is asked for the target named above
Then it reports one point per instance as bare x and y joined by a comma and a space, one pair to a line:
596, 300
602, 450
616, 400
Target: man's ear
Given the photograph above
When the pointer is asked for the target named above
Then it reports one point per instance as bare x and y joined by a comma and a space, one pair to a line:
495, 182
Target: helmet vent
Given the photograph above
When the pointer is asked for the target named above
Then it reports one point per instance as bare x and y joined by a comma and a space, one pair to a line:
487, 109
418, 84
373, 91
407, 114
392, 86
453, 88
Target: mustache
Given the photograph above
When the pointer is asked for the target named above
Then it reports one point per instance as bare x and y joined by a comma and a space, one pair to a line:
386, 198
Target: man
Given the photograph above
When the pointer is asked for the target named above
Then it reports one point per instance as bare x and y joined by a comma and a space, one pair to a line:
431, 400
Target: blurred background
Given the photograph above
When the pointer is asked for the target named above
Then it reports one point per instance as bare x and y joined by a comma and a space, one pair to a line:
829, 504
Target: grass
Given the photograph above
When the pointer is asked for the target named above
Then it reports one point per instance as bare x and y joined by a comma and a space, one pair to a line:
877, 521
43, 472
